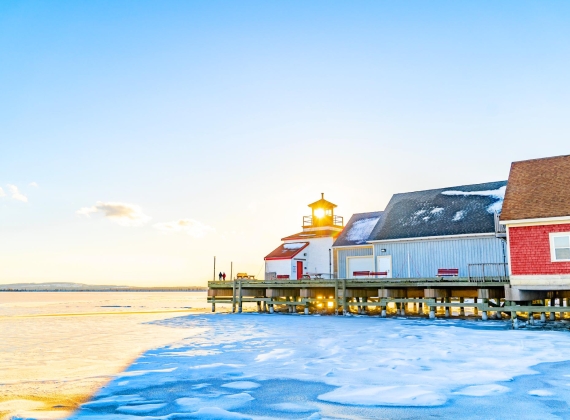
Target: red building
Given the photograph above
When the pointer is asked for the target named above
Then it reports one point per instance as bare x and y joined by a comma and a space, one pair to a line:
536, 213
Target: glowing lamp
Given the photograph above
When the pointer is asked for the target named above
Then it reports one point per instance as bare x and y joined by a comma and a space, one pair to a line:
319, 213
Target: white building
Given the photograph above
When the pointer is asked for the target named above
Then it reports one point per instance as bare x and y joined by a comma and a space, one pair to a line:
307, 253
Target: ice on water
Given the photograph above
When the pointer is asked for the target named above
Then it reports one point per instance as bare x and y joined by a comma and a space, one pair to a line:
279, 366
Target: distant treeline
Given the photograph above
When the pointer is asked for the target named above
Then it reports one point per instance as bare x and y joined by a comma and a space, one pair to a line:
138, 289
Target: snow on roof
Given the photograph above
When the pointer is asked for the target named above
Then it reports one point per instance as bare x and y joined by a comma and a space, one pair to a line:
498, 194
358, 229
286, 251
458, 216
361, 229
457, 210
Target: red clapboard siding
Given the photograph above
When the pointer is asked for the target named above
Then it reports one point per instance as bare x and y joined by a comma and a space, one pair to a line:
530, 250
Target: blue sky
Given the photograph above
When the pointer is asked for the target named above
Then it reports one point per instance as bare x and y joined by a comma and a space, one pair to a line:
235, 115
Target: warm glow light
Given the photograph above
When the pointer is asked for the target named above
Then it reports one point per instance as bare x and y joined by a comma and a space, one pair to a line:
330, 304
319, 213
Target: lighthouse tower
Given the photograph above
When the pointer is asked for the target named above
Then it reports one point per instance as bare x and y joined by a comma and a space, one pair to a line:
306, 254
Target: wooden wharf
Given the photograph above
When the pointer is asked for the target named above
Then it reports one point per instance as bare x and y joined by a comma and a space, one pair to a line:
428, 297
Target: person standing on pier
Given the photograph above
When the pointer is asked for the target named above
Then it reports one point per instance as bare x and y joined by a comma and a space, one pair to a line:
220, 276
224, 276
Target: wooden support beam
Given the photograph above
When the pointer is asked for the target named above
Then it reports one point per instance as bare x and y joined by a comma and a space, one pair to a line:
234, 296
240, 299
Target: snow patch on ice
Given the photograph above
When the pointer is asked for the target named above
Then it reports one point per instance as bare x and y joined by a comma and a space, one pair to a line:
361, 229
274, 355
140, 409
540, 393
215, 413
226, 402
241, 385
483, 390
293, 408
409, 396
437, 210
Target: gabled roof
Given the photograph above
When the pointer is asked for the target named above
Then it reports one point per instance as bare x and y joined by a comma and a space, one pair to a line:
358, 229
325, 233
322, 203
465, 209
538, 188
287, 251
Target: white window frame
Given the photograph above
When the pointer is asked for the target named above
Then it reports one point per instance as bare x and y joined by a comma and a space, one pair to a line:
552, 248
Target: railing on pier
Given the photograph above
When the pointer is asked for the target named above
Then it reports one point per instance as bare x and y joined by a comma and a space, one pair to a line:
488, 272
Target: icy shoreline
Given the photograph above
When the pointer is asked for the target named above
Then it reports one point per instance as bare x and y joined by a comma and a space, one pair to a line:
328, 365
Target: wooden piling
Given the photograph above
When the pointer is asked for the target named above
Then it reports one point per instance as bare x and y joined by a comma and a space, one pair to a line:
343, 303
240, 301
233, 296
335, 304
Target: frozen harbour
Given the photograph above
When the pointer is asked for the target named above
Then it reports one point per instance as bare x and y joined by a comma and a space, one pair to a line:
58, 349
255, 366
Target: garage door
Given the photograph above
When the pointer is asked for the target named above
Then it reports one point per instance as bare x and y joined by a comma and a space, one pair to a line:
358, 264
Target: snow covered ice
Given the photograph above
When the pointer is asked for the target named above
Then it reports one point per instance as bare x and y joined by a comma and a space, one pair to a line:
254, 366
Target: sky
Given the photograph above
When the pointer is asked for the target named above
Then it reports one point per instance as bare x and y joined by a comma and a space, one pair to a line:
139, 139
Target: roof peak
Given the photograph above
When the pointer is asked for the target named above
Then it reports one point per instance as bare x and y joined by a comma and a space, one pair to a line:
322, 203
452, 186
542, 158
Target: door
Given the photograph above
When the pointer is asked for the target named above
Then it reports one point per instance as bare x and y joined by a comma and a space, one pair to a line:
356, 264
299, 269
384, 264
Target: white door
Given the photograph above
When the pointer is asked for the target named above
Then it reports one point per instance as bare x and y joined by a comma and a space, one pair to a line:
358, 264
384, 264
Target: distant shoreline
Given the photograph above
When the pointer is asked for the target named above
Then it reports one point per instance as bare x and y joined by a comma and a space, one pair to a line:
136, 289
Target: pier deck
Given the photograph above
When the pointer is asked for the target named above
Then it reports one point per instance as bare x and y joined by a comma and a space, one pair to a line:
418, 296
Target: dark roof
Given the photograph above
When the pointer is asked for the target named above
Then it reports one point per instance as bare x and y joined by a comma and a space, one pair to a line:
538, 188
358, 229
286, 251
464, 209
326, 233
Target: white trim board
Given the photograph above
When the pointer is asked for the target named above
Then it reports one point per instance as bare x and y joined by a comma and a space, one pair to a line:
432, 238
537, 221
341, 247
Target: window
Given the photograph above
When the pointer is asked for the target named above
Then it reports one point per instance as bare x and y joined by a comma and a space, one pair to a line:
560, 246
